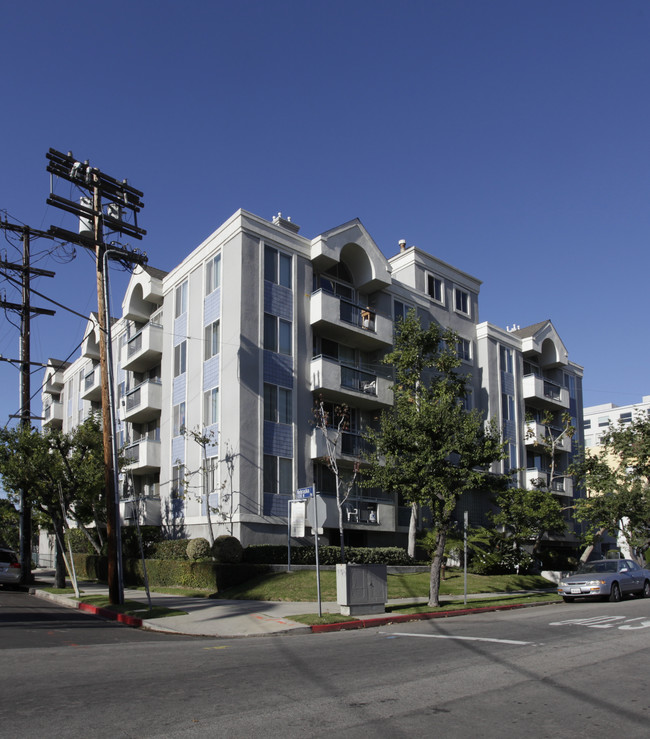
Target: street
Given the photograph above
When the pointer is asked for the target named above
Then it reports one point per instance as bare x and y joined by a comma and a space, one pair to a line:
560, 670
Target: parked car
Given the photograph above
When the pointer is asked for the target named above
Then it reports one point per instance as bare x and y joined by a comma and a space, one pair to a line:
606, 579
9, 567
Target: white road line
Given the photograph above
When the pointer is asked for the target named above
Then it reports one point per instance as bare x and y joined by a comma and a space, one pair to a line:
458, 638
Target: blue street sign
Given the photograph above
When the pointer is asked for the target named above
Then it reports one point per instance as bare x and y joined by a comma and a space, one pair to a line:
303, 493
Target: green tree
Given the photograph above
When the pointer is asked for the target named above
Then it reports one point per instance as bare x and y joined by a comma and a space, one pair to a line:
63, 477
428, 446
525, 516
9, 524
617, 480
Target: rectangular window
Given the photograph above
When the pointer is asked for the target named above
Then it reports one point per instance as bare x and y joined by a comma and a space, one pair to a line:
177, 481
434, 288
586, 424
505, 359
461, 301
211, 335
178, 419
464, 350
277, 267
277, 404
180, 358
625, 418
212, 474
278, 475
400, 310
603, 421
211, 406
277, 334
181, 299
213, 274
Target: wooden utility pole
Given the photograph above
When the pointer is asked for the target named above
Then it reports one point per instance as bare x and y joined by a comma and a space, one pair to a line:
25, 309
120, 197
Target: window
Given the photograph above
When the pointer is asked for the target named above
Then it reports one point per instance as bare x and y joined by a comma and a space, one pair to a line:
586, 424
464, 350
434, 288
278, 475
277, 267
211, 333
461, 301
177, 481
178, 420
505, 359
625, 418
400, 310
212, 475
507, 407
603, 421
181, 300
277, 404
211, 406
213, 274
277, 334
180, 358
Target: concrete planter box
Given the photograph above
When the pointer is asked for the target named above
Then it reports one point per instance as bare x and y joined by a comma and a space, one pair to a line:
361, 589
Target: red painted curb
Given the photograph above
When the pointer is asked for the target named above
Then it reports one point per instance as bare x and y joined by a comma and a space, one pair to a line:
111, 615
366, 623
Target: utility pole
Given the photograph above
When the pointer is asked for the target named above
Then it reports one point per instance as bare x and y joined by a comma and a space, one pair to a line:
120, 197
25, 309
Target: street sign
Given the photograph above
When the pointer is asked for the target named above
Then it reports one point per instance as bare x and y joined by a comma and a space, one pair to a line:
303, 493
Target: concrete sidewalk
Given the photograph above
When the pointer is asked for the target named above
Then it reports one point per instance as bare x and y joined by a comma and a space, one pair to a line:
235, 618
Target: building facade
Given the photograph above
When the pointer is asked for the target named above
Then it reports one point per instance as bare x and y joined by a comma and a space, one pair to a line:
217, 365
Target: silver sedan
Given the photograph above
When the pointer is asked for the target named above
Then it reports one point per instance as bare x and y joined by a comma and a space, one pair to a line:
9, 567
606, 579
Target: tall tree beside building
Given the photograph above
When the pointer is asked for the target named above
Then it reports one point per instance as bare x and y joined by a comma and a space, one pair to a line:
617, 481
429, 447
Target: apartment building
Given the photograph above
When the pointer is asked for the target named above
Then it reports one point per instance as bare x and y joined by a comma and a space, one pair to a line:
600, 418
218, 362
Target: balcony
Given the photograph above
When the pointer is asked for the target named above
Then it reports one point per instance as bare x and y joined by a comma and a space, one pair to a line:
143, 457
53, 415
561, 485
536, 436
144, 402
545, 394
145, 510
54, 381
352, 385
143, 350
350, 445
340, 319
92, 385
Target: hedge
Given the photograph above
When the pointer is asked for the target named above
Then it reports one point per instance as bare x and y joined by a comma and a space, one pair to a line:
170, 573
329, 555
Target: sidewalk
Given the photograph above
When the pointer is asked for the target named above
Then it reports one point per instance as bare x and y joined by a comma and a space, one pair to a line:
236, 618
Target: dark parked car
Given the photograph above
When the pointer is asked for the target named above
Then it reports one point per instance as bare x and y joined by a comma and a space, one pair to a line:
606, 579
9, 567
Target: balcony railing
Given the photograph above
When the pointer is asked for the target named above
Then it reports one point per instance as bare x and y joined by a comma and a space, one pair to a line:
343, 382
144, 349
544, 392
333, 314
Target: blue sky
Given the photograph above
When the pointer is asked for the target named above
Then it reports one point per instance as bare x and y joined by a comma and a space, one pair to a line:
506, 137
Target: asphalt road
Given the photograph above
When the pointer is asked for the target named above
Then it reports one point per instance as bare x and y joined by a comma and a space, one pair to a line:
554, 671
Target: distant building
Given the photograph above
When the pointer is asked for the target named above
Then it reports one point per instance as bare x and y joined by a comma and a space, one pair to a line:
598, 419
238, 339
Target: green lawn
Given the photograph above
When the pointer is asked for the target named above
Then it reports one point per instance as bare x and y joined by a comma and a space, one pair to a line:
300, 585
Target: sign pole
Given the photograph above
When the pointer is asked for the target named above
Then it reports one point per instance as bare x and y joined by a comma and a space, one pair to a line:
465, 521
320, 608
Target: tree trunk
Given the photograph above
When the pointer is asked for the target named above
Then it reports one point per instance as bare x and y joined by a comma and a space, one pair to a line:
590, 548
59, 561
413, 525
436, 566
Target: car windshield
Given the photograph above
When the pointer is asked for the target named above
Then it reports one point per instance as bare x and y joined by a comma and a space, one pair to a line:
590, 567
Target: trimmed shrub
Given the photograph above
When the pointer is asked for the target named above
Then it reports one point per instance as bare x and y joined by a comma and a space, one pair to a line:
277, 554
227, 550
170, 549
198, 549
151, 535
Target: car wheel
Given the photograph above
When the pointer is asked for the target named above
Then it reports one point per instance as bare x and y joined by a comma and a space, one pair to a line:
646, 589
615, 593
567, 599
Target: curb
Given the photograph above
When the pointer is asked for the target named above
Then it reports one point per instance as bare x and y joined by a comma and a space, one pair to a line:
105, 613
367, 623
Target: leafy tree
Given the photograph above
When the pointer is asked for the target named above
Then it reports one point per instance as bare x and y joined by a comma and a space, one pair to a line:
63, 477
550, 443
9, 524
525, 516
617, 481
429, 447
